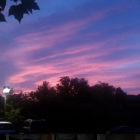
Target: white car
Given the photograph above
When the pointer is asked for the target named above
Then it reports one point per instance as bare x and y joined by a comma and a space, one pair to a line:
6, 128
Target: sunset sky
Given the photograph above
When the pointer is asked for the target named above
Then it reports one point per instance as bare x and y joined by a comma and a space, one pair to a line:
98, 40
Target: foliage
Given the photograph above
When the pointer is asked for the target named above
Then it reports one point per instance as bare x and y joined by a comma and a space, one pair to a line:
103, 92
18, 10
73, 87
120, 96
72, 101
13, 114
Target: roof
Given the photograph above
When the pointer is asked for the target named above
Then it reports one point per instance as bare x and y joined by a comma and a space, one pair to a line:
35, 120
5, 122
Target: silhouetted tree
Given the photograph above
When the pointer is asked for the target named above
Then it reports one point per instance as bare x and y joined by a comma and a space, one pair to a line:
83, 88
64, 85
42, 91
11, 91
18, 10
120, 95
73, 87
103, 92
72, 100
16, 99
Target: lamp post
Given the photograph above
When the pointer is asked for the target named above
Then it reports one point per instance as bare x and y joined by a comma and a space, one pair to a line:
6, 90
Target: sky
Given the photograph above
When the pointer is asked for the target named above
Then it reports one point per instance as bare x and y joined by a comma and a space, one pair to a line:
93, 39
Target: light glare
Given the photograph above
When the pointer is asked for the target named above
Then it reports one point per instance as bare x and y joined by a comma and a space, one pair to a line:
6, 90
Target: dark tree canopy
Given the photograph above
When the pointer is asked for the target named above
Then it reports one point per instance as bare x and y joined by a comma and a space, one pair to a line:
72, 86
20, 8
72, 99
120, 95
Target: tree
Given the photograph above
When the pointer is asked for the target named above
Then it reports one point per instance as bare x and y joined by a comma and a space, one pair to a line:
83, 88
64, 85
42, 91
18, 10
11, 91
103, 91
13, 114
73, 86
15, 98
120, 95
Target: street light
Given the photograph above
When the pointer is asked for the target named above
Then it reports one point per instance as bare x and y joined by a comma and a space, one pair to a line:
6, 90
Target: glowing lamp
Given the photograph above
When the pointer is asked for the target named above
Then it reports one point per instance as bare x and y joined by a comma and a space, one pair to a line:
6, 89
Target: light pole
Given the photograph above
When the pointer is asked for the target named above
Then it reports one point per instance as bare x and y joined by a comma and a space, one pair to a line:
6, 90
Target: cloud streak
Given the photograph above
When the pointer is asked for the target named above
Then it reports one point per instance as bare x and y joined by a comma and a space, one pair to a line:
91, 40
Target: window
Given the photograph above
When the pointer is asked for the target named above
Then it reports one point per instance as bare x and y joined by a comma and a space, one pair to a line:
129, 129
6, 127
116, 128
26, 124
38, 124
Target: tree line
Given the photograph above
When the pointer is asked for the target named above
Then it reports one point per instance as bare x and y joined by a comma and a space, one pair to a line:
71, 105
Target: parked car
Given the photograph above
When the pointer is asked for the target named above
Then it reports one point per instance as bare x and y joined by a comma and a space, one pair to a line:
24, 136
120, 137
31, 126
65, 136
124, 130
6, 128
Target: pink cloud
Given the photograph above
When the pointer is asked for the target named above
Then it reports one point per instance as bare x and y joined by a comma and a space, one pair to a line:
71, 66
75, 66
